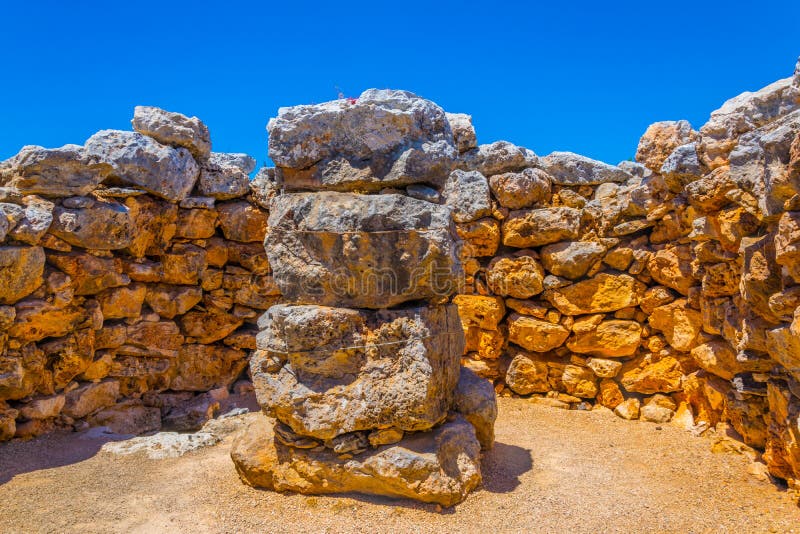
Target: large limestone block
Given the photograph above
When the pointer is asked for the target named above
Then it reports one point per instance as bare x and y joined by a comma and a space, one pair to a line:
680, 324
467, 192
566, 168
534, 334
90, 274
225, 176
479, 311
173, 129
329, 371
441, 466
139, 160
572, 259
498, 157
98, 225
611, 339
537, 227
519, 277
363, 251
21, 271
385, 138
528, 373
649, 374
718, 357
601, 294
758, 164
518, 190
54, 172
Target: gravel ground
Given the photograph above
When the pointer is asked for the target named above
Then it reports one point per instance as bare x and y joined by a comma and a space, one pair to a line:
550, 471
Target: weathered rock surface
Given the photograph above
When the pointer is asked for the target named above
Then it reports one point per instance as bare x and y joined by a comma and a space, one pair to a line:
480, 238
441, 466
21, 271
499, 157
600, 294
139, 160
98, 225
468, 194
519, 277
744, 113
566, 168
54, 172
571, 259
329, 371
226, 176
660, 140
518, 190
463, 131
527, 373
535, 335
482, 312
608, 339
537, 227
362, 251
385, 138
173, 129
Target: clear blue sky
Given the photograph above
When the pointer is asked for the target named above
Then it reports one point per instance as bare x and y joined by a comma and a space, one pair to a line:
586, 77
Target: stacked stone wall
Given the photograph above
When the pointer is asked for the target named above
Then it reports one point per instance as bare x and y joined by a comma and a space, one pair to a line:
131, 279
132, 271
664, 289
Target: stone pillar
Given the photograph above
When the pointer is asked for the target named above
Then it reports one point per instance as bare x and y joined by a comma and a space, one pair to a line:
361, 369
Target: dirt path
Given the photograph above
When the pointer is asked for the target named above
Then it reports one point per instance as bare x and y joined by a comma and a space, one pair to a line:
551, 471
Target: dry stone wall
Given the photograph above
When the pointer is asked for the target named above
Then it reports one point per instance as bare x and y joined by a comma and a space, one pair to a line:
665, 289
132, 272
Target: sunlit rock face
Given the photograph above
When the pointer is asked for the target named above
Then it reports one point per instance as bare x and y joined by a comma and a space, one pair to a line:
134, 270
127, 285
362, 370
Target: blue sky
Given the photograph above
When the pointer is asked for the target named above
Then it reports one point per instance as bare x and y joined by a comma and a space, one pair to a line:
586, 77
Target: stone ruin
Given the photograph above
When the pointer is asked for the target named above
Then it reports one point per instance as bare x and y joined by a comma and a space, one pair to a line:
361, 370
134, 283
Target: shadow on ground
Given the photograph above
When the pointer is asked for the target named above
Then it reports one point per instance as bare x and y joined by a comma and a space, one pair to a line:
61, 448
503, 465
53, 450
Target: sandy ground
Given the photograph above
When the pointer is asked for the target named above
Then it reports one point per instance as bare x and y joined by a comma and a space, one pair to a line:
550, 471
